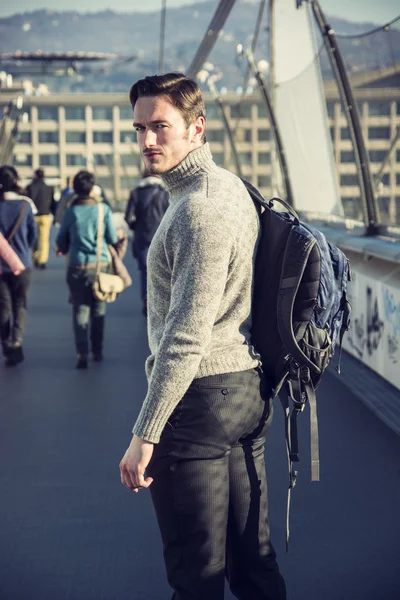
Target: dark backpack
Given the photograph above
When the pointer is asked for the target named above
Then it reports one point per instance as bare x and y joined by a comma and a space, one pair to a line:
300, 310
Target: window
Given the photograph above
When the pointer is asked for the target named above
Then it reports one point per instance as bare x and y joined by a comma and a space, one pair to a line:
127, 137
49, 160
379, 133
48, 113
262, 111
212, 112
397, 178
384, 205
25, 137
264, 158
75, 137
243, 135
352, 207
264, 181
398, 155
218, 158
332, 132
245, 158
241, 111
348, 179
127, 183
377, 156
103, 159
105, 182
378, 109
129, 160
75, 113
347, 156
344, 133
264, 135
48, 137
102, 137
76, 160
215, 135
125, 113
385, 179
330, 107
22, 160
102, 113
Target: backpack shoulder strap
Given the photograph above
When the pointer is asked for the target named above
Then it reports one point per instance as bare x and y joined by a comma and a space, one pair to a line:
297, 252
18, 222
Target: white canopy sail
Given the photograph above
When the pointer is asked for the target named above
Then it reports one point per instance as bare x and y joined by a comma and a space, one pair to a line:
301, 110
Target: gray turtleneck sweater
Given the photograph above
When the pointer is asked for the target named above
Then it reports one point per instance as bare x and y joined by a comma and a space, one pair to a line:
199, 290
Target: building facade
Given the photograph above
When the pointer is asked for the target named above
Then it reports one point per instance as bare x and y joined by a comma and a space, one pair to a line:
66, 133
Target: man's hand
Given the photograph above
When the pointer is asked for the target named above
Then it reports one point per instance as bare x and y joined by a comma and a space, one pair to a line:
134, 464
58, 251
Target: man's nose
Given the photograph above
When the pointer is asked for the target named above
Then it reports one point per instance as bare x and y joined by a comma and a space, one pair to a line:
149, 138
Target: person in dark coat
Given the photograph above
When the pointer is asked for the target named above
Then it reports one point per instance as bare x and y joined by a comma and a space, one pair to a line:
17, 225
43, 198
146, 207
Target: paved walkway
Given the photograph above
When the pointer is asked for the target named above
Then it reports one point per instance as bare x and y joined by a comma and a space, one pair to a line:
70, 531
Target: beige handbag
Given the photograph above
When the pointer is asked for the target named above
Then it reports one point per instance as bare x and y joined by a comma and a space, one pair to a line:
106, 286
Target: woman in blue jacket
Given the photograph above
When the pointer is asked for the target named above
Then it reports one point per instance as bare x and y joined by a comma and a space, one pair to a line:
78, 238
18, 226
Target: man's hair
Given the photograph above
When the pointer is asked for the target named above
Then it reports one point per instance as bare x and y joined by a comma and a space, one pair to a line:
39, 174
83, 183
180, 91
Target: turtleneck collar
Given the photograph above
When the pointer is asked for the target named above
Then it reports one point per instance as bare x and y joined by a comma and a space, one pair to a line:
178, 178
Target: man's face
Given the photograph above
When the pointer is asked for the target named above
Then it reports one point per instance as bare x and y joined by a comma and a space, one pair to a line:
163, 138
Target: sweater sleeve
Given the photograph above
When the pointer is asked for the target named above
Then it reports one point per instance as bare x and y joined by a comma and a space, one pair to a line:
199, 247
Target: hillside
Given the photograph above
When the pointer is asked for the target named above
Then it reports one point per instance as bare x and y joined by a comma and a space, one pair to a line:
136, 34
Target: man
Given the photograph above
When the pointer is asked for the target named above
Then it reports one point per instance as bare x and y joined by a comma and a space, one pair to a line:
65, 201
198, 442
43, 198
146, 206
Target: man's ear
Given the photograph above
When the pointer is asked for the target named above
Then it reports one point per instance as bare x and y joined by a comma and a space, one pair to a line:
199, 126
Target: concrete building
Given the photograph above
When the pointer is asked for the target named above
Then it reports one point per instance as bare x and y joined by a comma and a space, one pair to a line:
68, 132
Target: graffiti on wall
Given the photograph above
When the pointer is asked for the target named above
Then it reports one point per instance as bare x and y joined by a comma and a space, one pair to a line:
368, 326
374, 336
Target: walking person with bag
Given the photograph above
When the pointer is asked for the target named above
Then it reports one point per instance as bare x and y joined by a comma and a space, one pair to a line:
146, 207
18, 229
198, 442
85, 233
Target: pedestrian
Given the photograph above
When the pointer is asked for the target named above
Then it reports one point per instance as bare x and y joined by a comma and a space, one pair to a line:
17, 225
66, 198
198, 442
77, 237
146, 207
43, 198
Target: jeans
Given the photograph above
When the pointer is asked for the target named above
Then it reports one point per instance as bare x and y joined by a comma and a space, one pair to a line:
41, 254
13, 292
86, 310
210, 491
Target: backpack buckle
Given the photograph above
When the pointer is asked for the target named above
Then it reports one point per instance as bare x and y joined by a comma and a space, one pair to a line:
305, 374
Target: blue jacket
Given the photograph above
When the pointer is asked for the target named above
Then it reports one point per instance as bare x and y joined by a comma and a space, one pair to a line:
78, 233
26, 235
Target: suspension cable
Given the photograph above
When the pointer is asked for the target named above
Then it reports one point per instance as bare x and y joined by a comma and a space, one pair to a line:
385, 28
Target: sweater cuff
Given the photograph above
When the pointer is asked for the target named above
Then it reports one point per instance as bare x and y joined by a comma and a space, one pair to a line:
151, 421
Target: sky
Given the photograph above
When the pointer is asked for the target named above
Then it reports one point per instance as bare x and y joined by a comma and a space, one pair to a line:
372, 11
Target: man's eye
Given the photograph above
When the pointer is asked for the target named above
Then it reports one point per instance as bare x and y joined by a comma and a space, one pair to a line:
161, 126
